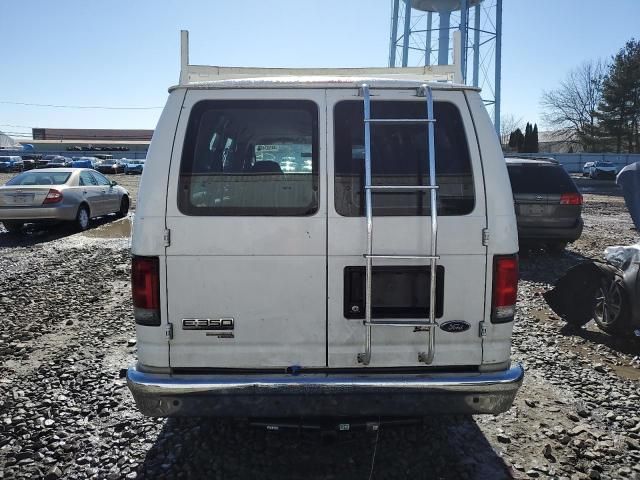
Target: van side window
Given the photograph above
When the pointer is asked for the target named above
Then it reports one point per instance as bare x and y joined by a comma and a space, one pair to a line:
249, 157
399, 156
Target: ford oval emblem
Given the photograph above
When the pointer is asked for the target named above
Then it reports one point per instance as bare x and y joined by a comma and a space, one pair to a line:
455, 326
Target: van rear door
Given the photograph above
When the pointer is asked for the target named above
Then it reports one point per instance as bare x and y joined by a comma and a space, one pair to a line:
402, 226
246, 264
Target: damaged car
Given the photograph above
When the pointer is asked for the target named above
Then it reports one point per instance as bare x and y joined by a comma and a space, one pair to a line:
607, 292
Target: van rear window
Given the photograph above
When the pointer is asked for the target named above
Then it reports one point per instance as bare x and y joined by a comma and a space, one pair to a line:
245, 157
399, 156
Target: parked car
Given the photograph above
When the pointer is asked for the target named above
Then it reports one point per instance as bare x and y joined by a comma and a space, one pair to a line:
43, 162
84, 162
133, 166
603, 170
59, 162
10, 163
73, 195
606, 292
547, 201
586, 168
250, 287
19, 165
28, 163
110, 166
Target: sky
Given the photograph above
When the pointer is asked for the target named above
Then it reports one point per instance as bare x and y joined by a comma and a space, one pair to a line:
117, 53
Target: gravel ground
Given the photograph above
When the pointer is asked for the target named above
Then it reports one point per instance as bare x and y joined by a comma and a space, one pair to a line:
65, 412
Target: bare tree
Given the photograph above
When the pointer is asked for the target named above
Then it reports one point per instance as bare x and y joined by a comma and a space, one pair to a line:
508, 125
572, 108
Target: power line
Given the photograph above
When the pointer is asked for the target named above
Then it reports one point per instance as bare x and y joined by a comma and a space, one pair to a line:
18, 134
14, 126
92, 107
102, 138
15, 129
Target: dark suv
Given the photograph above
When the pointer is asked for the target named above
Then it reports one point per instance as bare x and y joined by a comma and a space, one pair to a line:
547, 202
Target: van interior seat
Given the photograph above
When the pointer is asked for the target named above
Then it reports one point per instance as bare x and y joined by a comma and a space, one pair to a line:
266, 166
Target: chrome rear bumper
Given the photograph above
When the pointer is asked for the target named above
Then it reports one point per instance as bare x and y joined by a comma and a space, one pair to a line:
353, 395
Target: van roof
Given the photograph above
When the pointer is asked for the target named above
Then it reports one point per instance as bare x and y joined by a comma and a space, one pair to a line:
323, 82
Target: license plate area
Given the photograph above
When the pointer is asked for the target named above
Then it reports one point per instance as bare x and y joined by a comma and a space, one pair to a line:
533, 210
22, 198
397, 291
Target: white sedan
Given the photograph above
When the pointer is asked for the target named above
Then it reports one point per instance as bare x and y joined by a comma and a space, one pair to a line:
603, 170
586, 169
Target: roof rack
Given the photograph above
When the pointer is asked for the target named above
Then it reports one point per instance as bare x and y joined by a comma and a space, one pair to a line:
203, 73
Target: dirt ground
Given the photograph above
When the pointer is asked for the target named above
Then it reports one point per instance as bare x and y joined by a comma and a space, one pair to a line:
65, 412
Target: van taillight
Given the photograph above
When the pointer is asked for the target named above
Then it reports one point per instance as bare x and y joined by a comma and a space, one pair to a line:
505, 288
145, 285
571, 199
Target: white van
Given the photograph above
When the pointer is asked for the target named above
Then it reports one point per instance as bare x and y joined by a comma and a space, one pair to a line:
306, 291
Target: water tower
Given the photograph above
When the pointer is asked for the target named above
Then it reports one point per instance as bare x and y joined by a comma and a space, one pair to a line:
416, 39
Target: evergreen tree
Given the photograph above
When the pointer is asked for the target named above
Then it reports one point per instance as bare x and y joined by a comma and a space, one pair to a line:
528, 131
535, 146
518, 140
594, 138
620, 107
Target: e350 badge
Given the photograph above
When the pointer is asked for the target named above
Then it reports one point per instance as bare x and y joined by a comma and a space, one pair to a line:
214, 327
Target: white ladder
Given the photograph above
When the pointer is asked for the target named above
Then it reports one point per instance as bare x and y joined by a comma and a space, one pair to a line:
429, 324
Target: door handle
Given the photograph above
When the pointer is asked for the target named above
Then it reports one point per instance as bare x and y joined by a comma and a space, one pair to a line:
84, 192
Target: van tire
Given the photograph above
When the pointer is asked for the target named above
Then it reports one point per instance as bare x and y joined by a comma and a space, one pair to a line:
124, 207
13, 227
83, 219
